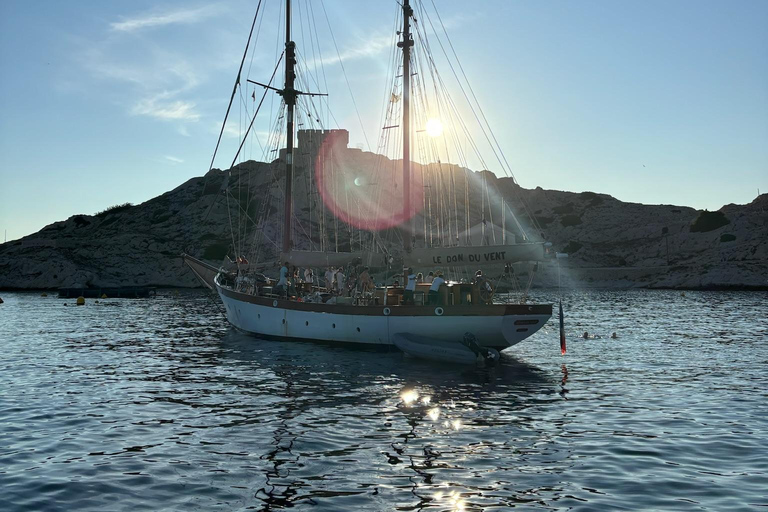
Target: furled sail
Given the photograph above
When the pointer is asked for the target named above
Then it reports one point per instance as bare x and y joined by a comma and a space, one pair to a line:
482, 255
334, 259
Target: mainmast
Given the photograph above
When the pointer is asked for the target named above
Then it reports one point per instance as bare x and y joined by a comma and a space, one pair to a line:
406, 44
289, 95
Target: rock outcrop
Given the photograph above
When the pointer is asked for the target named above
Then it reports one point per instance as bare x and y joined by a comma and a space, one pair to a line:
610, 243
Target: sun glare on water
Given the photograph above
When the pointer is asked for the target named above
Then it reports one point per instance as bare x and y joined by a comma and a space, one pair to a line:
409, 396
434, 127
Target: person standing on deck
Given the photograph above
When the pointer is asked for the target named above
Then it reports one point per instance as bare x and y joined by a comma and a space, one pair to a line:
309, 276
434, 289
329, 279
410, 287
429, 277
282, 283
340, 281
294, 279
366, 283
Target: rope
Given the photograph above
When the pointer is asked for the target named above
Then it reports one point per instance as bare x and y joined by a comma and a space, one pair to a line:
344, 72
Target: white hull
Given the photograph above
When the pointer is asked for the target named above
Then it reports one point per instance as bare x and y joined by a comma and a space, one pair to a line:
493, 326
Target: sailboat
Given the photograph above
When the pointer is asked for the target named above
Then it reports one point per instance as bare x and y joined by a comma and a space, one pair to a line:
377, 317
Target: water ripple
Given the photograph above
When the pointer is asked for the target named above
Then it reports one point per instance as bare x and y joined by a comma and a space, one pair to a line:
149, 404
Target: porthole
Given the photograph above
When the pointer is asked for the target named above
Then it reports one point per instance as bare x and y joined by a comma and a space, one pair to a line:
358, 329
258, 316
283, 321
522, 329
439, 311
274, 303
532, 321
386, 311
334, 326
306, 323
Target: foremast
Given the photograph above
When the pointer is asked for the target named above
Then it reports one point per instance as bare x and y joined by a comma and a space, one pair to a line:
289, 96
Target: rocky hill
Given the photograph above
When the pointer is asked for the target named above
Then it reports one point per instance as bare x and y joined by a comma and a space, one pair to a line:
610, 243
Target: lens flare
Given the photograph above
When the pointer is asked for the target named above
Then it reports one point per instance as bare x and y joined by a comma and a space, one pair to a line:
363, 192
434, 127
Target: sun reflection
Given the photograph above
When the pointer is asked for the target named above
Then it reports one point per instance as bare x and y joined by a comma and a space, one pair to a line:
434, 413
409, 396
434, 127
426, 399
456, 424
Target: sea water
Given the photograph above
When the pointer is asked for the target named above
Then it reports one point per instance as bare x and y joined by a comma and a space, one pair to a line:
158, 404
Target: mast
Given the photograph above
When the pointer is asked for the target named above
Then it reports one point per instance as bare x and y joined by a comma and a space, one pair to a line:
289, 95
406, 44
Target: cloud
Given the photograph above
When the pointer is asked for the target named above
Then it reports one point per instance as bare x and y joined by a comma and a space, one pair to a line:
146, 67
158, 78
231, 130
174, 159
376, 45
162, 106
367, 48
167, 18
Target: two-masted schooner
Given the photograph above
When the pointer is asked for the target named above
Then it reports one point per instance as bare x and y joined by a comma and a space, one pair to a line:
375, 317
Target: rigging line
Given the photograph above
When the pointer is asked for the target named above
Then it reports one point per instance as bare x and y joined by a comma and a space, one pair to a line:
461, 87
231, 232
447, 97
482, 113
257, 109
344, 71
277, 182
311, 36
239, 178
453, 112
322, 64
443, 195
234, 88
388, 84
244, 105
255, 42
471, 90
272, 98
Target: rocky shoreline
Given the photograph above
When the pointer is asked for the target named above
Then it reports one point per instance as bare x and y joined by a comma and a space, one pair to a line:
611, 244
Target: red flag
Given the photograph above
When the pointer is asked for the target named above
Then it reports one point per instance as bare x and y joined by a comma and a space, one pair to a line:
562, 330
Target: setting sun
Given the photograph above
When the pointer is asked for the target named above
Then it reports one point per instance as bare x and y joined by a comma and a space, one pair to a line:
434, 127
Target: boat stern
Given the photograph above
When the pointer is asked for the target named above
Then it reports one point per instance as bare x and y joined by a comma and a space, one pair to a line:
524, 321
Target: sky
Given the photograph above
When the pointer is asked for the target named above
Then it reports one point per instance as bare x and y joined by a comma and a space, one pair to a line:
656, 102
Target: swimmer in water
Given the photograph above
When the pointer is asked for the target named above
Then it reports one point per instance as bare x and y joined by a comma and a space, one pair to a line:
614, 336
585, 335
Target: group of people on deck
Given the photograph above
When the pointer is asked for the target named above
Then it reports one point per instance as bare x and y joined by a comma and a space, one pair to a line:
434, 279
360, 281
336, 281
